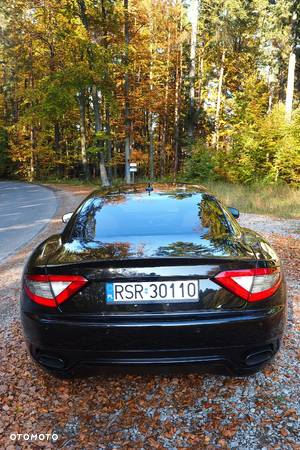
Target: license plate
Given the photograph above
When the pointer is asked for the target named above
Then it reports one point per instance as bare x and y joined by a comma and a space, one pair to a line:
153, 292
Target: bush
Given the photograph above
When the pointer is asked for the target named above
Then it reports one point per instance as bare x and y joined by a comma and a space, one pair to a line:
200, 166
5, 162
268, 151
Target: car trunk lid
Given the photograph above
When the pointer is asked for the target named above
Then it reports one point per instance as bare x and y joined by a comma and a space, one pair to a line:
71, 258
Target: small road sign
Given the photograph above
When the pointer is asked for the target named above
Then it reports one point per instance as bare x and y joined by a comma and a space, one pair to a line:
132, 170
133, 167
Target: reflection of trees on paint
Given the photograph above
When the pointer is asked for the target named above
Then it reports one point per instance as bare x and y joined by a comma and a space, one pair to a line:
182, 249
86, 220
181, 195
213, 219
95, 251
84, 227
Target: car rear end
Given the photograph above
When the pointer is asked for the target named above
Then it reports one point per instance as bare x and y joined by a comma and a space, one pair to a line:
189, 308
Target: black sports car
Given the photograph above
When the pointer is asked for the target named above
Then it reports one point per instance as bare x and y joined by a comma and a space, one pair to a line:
153, 275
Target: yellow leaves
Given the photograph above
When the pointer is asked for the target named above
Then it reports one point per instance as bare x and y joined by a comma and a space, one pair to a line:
139, 157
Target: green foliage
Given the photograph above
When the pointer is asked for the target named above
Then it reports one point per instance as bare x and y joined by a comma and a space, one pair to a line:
267, 151
5, 162
200, 165
54, 99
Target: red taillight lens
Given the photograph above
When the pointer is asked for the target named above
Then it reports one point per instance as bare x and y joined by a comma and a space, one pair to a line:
51, 290
251, 284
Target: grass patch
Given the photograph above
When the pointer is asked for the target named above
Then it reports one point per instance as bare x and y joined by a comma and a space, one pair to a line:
278, 201
71, 182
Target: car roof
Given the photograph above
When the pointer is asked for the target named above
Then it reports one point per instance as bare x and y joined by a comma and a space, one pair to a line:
156, 187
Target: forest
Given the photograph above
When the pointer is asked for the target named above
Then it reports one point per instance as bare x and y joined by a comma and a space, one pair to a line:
194, 91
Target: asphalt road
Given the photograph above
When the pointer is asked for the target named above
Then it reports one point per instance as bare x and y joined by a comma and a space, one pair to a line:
24, 210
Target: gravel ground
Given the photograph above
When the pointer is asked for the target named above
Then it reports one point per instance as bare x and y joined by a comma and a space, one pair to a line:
265, 225
163, 412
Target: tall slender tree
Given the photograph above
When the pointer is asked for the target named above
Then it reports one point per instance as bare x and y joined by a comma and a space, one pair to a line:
195, 5
127, 121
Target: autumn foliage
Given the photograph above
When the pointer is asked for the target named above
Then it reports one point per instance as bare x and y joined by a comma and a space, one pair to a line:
90, 85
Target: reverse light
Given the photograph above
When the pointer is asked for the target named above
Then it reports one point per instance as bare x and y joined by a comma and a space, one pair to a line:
52, 290
251, 284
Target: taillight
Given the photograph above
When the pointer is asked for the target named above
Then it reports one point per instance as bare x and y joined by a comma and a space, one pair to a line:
51, 290
251, 284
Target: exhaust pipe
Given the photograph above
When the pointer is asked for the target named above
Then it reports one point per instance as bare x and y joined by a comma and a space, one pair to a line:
258, 357
52, 362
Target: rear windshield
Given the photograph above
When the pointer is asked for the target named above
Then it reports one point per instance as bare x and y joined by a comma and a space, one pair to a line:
120, 216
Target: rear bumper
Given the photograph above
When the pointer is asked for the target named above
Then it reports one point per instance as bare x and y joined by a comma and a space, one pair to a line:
241, 340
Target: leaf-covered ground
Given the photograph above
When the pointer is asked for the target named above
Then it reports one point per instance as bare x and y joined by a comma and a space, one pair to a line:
148, 412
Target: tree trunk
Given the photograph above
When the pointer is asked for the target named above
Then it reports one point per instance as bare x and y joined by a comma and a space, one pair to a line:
178, 86
5, 93
57, 147
103, 173
290, 87
200, 76
215, 141
194, 20
57, 138
127, 122
271, 90
150, 114
57, 131
108, 140
98, 128
82, 109
165, 121
96, 108
107, 108
95, 99
151, 146
32, 172
32, 169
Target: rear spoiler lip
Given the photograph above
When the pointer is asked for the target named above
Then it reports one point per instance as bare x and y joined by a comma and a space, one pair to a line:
203, 268
154, 262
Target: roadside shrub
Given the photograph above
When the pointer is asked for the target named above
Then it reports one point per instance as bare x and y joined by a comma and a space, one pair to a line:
200, 166
5, 162
267, 152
